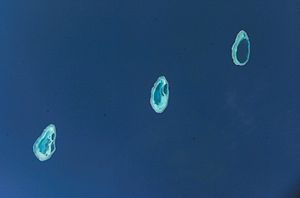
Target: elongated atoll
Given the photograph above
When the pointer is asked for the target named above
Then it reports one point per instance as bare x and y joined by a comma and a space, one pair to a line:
160, 95
44, 146
241, 36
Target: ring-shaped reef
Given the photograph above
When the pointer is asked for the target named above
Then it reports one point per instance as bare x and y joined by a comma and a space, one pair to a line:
44, 146
160, 95
241, 36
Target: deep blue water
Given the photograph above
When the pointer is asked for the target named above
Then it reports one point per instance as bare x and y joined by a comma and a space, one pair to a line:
88, 67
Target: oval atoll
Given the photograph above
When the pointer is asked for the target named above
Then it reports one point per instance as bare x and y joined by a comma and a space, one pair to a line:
160, 95
44, 146
241, 37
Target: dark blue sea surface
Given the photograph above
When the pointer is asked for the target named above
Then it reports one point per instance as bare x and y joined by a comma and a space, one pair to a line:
88, 67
